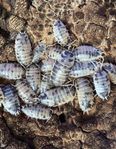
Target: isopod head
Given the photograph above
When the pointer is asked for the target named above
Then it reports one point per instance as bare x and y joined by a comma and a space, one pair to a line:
45, 101
67, 59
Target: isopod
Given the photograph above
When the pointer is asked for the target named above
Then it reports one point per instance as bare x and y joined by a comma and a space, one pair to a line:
47, 65
85, 94
45, 83
60, 32
111, 69
37, 112
11, 71
102, 84
57, 96
11, 100
87, 53
81, 69
39, 52
25, 92
23, 49
33, 76
62, 68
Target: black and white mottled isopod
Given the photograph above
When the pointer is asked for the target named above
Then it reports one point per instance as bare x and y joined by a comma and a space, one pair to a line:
25, 92
33, 76
39, 51
102, 84
81, 69
87, 53
11, 101
11, 71
57, 96
60, 32
62, 68
47, 65
111, 69
23, 49
37, 112
85, 94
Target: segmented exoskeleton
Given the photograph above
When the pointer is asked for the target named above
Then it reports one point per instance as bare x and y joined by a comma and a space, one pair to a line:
57, 96
81, 69
111, 69
39, 52
60, 32
102, 84
25, 92
23, 49
11, 71
45, 83
55, 53
33, 76
62, 68
37, 111
85, 94
11, 100
47, 65
87, 53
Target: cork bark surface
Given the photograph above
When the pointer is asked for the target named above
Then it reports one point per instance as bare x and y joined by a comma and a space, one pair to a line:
88, 21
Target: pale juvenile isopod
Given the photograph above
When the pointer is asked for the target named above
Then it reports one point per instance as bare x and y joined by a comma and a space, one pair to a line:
39, 52
11, 71
57, 96
60, 32
23, 49
47, 65
11, 101
45, 83
81, 69
25, 92
87, 53
111, 70
33, 76
62, 68
85, 94
37, 111
102, 84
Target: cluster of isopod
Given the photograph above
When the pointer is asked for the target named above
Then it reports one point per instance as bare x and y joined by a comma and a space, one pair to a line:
51, 76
